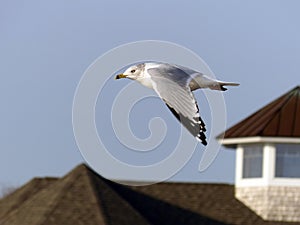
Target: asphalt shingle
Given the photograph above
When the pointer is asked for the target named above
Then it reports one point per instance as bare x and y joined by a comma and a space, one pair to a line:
83, 197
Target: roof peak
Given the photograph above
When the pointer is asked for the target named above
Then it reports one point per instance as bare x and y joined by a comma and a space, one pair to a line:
84, 197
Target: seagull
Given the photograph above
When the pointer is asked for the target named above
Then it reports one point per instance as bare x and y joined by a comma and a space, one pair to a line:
174, 85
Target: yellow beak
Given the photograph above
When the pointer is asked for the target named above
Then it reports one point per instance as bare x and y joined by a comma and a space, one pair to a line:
119, 76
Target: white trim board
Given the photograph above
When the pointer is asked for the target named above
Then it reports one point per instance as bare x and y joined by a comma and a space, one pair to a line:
259, 139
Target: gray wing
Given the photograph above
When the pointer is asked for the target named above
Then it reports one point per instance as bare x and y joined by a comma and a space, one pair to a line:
172, 85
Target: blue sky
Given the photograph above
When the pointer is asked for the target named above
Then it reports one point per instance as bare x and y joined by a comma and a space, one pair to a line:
46, 47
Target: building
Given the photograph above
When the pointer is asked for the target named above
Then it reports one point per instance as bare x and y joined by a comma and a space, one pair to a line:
82, 197
267, 145
267, 181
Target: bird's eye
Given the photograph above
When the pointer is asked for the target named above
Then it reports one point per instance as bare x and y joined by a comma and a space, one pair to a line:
132, 71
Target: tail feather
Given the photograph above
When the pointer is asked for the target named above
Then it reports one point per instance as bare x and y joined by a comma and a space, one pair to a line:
228, 83
220, 85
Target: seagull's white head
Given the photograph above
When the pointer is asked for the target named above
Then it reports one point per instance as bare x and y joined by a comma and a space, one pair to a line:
133, 72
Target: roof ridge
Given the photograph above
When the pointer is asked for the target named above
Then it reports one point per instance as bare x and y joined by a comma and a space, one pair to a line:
90, 176
297, 87
296, 108
58, 196
290, 96
286, 98
82, 170
110, 185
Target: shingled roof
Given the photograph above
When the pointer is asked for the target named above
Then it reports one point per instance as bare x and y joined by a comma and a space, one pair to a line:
83, 197
280, 118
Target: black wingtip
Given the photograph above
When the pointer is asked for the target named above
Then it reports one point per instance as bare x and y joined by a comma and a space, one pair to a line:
199, 136
223, 88
203, 141
202, 138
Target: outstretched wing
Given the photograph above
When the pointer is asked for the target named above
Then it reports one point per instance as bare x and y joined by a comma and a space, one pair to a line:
172, 85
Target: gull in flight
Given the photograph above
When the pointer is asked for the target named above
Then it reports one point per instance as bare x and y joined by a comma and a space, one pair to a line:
174, 85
